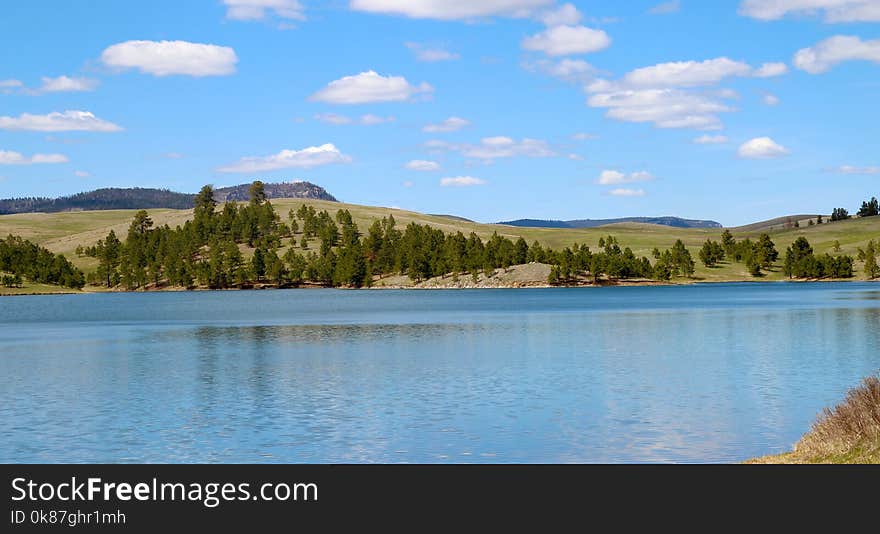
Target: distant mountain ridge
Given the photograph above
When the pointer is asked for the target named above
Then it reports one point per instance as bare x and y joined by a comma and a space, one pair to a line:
117, 198
674, 222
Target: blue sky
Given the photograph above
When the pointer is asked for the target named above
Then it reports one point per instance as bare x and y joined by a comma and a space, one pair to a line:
489, 109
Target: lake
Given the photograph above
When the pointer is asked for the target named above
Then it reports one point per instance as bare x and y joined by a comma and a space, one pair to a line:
701, 373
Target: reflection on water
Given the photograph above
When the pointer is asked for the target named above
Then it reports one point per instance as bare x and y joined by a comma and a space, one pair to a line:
710, 373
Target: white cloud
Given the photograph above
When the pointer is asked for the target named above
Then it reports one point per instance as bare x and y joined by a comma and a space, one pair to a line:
564, 15
450, 10
8, 157
662, 94
173, 155
666, 8
575, 157
833, 10
408, 183
451, 124
307, 158
333, 118
257, 9
622, 192
68, 121
431, 54
684, 74
461, 181
612, 177
582, 136
828, 53
422, 165
66, 84
81, 174
366, 120
569, 70
7, 87
491, 148
567, 40
165, 58
369, 87
665, 108
770, 100
369, 119
769, 70
711, 140
761, 148
850, 169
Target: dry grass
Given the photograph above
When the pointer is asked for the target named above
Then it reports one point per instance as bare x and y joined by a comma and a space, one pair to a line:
847, 433
63, 232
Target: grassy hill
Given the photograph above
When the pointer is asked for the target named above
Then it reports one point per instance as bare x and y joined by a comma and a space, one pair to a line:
63, 232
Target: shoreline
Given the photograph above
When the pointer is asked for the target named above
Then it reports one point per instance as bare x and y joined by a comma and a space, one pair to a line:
446, 287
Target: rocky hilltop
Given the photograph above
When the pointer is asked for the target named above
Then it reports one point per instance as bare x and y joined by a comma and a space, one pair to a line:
309, 190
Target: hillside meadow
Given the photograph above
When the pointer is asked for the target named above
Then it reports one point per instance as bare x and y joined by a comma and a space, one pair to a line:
64, 232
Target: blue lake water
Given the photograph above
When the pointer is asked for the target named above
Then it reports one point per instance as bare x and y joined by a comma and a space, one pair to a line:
709, 373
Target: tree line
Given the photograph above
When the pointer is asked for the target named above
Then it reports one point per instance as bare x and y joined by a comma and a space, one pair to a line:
208, 251
869, 208
20, 259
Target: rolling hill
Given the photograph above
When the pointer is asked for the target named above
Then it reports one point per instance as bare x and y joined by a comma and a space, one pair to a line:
115, 198
63, 232
674, 222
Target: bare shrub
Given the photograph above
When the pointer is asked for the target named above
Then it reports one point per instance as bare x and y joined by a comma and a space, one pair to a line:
854, 421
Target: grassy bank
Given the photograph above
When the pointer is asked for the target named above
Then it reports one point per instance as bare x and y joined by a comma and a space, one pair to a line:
849, 433
64, 232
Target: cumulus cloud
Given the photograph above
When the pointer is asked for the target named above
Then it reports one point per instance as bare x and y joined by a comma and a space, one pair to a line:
451, 124
490, 148
624, 192
10, 84
368, 87
684, 73
8, 157
769, 70
711, 140
851, 169
666, 8
369, 119
567, 40
569, 70
663, 94
761, 148
461, 181
422, 165
63, 84
81, 174
307, 158
366, 120
68, 121
166, 58
828, 53
833, 11
564, 15
612, 177
665, 108
583, 136
431, 54
259, 9
455, 10
770, 100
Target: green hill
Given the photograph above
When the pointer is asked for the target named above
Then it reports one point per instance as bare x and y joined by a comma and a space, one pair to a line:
64, 232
